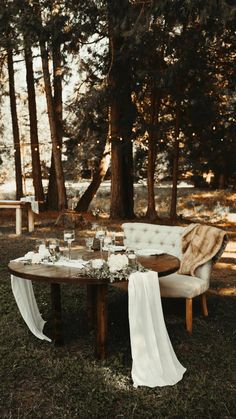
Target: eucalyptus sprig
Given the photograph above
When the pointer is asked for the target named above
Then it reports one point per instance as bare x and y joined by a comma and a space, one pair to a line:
104, 272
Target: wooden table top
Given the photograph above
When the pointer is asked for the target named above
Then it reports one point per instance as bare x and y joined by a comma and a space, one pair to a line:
163, 264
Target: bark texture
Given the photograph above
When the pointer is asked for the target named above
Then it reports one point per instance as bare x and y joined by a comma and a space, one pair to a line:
36, 165
98, 177
173, 211
56, 146
15, 126
121, 115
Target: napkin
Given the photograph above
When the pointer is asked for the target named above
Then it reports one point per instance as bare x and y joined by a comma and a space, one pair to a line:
149, 252
34, 204
40, 258
34, 257
154, 360
72, 263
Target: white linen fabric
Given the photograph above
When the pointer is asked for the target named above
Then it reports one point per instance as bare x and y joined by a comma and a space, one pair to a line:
25, 299
72, 263
34, 204
24, 295
154, 360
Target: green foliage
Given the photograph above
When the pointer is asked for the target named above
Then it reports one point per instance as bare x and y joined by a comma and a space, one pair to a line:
87, 130
104, 272
182, 50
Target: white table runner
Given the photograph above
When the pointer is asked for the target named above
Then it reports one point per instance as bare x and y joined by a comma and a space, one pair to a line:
24, 295
25, 299
154, 360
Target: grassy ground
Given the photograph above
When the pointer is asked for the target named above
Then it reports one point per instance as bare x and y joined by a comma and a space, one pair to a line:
41, 381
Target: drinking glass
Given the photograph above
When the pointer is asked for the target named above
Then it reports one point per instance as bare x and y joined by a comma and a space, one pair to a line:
38, 244
108, 244
53, 247
132, 257
100, 234
89, 243
69, 237
113, 238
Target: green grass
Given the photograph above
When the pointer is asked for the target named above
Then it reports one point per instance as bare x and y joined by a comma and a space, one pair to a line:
41, 381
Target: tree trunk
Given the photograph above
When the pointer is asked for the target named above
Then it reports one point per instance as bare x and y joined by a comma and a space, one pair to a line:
36, 166
52, 196
121, 116
152, 151
98, 177
122, 205
56, 146
173, 212
121, 180
15, 126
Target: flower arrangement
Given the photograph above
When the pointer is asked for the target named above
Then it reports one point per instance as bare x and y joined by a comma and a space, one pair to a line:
116, 268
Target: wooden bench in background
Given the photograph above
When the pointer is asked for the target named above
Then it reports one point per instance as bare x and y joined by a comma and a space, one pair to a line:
19, 206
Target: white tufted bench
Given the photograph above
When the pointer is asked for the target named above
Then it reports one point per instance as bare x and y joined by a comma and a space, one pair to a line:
168, 239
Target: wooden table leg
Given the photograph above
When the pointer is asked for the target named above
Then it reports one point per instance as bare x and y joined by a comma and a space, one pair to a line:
56, 314
91, 306
101, 298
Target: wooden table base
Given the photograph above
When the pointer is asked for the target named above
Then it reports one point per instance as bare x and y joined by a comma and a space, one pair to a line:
56, 314
101, 302
97, 315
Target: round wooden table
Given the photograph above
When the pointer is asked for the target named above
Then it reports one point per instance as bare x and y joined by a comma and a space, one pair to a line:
96, 290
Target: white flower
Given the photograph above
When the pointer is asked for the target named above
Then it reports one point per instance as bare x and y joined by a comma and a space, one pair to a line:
117, 262
97, 263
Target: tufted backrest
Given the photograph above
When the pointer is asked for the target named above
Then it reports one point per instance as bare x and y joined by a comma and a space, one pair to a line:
166, 238
163, 237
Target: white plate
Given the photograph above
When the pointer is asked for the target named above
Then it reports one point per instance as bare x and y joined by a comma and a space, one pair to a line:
149, 252
119, 248
115, 248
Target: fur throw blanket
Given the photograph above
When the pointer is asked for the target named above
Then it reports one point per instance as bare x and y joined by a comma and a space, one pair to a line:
201, 243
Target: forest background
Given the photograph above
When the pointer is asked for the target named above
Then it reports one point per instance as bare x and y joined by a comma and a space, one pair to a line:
118, 99
132, 90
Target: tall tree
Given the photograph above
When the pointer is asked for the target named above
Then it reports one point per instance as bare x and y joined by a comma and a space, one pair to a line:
56, 146
15, 125
175, 172
36, 165
9, 42
56, 40
121, 115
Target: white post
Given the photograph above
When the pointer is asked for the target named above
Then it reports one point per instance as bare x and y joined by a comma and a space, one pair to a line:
30, 219
18, 221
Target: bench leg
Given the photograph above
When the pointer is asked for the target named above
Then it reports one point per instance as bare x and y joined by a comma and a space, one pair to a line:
18, 221
189, 314
30, 220
203, 301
